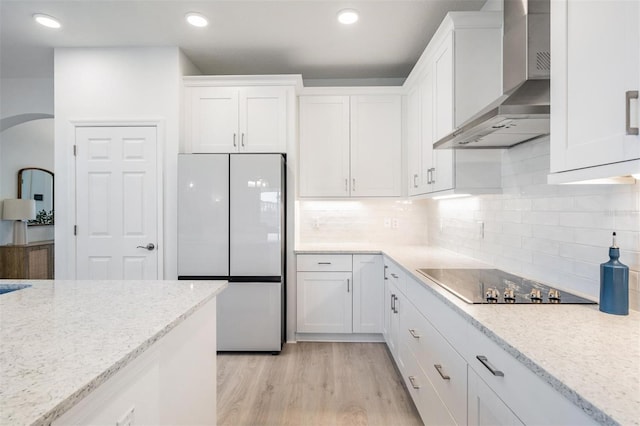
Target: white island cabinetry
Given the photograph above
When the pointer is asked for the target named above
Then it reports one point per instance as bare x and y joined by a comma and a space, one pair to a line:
595, 79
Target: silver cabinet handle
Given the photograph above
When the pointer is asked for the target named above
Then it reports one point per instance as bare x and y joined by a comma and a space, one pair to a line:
149, 247
385, 272
242, 140
394, 275
483, 359
429, 172
413, 382
393, 303
353, 187
413, 333
234, 140
415, 181
439, 368
433, 175
395, 306
324, 263
346, 185
348, 289
631, 94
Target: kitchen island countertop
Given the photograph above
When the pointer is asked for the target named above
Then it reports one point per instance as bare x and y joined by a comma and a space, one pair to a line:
59, 340
590, 357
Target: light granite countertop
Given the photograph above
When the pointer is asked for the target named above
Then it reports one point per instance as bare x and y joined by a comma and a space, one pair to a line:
590, 357
59, 340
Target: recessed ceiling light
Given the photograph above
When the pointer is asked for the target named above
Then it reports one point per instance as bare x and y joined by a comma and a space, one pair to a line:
46, 20
197, 19
347, 16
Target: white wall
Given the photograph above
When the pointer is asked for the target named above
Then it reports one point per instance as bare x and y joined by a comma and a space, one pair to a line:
115, 84
559, 234
26, 144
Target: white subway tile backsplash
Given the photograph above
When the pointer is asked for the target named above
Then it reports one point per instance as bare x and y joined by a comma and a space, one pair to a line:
559, 234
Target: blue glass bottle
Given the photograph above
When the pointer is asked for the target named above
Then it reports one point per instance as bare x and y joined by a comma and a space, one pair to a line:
614, 283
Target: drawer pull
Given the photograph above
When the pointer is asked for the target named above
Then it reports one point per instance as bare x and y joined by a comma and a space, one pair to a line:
413, 382
394, 275
439, 368
483, 359
393, 303
348, 285
324, 263
631, 94
413, 333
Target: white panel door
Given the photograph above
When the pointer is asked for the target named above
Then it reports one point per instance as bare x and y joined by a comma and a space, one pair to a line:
116, 203
443, 88
485, 408
324, 302
203, 215
324, 146
256, 215
263, 119
376, 146
213, 125
592, 72
368, 293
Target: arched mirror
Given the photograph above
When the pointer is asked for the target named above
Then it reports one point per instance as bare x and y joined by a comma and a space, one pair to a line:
37, 184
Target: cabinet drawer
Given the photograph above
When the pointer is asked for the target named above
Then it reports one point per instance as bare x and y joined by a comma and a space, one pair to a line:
442, 317
395, 274
324, 262
444, 367
431, 408
507, 377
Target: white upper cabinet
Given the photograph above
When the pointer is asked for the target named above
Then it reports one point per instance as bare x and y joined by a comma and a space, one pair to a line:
595, 78
376, 146
458, 74
220, 118
324, 146
350, 146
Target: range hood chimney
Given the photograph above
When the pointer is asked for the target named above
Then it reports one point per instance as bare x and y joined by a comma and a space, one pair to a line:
522, 113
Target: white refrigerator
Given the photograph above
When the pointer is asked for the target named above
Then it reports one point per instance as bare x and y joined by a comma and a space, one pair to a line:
231, 226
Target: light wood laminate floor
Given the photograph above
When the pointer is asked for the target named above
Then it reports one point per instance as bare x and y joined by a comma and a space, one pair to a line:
313, 384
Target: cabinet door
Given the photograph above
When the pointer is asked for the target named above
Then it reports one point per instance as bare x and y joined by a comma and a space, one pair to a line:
263, 119
376, 146
592, 71
212, 119
443, 88
368, 293
484, 407
414, 142
324, 302
324, 146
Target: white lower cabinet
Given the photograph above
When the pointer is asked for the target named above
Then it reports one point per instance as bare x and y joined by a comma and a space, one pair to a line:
455, 373
339, 293
484, 406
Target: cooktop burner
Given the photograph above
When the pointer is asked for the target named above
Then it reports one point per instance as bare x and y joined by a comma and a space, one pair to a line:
496, 286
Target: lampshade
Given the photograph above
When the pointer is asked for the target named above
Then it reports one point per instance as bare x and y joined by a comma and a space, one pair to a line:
18, 209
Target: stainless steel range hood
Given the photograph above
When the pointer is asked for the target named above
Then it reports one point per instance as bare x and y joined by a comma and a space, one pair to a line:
522, 113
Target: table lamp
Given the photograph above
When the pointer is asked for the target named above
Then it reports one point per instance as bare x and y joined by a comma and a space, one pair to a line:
19, 211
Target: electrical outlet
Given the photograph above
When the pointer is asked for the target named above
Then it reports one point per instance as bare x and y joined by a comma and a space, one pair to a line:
395, 223
127, 418
316, 223
387, 222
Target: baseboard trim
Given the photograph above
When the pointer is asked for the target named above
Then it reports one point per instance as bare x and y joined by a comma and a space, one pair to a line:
331, 337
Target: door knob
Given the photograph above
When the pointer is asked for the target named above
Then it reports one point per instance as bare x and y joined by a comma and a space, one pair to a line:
149, 247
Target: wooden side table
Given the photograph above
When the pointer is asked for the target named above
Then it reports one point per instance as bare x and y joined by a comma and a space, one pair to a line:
28, 261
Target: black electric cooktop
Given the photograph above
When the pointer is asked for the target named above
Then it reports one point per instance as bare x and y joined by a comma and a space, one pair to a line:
496, 286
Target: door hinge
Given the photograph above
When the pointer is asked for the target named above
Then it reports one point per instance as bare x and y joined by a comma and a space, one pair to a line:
75, 229
75, 150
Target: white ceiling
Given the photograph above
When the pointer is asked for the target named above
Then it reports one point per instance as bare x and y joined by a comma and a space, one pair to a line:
243, 37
